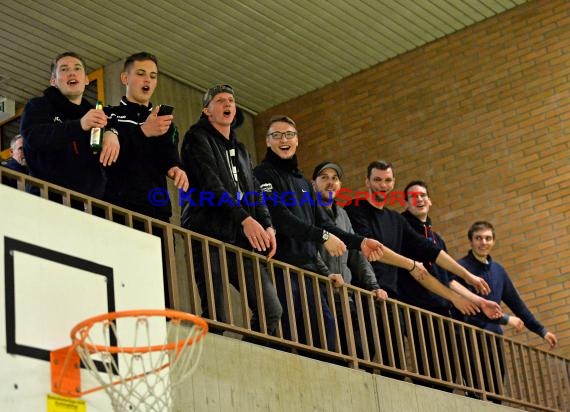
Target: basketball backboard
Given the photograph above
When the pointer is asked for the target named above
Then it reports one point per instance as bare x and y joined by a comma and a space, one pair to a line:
59, 267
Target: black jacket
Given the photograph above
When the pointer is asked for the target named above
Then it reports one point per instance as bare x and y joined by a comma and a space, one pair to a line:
410, 290
14, 165
297, 215
142, 164
212, 206
57, 149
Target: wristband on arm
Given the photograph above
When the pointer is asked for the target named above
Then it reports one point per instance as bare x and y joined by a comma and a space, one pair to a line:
504, 320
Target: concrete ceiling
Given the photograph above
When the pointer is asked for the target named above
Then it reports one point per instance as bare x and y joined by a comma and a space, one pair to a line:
270, 50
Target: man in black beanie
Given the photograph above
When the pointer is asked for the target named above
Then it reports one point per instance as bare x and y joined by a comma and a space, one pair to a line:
219, 166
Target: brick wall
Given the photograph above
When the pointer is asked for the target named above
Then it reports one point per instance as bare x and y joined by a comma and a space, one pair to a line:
483, 116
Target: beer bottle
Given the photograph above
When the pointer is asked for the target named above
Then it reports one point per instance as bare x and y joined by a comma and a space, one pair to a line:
97, 134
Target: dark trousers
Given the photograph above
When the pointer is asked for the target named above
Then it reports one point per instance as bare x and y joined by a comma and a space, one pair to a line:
355, 328
496, 375
433, 355
388, 332
329, 322
272, 306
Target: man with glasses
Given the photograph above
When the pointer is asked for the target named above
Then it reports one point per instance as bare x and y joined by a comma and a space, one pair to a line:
302, 225
219, 167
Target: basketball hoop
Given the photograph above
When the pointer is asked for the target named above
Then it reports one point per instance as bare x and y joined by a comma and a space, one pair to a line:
164, 347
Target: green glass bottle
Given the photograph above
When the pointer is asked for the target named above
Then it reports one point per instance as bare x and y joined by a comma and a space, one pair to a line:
97, 134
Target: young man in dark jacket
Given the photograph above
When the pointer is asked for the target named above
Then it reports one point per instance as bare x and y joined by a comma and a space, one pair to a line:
149, 152
223, 202
302, 224
478, 261
56, 129
418, 204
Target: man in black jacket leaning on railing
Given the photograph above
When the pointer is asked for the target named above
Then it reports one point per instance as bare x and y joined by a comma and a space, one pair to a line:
223, 203
302, 225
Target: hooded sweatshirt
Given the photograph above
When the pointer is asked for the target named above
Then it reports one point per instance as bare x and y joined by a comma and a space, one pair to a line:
223, 191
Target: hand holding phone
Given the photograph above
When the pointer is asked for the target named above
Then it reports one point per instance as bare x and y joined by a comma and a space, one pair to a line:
165, 109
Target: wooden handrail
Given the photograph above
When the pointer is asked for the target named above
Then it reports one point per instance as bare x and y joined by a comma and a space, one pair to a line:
534, 378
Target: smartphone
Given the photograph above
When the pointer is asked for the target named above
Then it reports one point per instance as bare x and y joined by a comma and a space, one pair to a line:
165, 109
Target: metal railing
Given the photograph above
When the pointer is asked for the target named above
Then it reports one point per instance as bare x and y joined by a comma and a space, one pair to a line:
340, 325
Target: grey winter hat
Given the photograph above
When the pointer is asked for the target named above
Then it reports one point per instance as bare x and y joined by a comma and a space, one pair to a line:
212, 91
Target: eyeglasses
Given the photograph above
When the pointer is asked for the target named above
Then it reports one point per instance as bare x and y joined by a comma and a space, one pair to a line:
279, 135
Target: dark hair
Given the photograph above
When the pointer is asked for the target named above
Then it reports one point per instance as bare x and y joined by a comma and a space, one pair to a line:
378, 164
281, 118
480, 225
415, 183
53, 67
139, 57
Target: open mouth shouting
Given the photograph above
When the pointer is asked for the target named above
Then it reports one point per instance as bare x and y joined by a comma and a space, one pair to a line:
381, 195
286, 150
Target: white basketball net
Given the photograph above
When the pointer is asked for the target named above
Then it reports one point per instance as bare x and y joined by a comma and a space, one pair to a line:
138, 373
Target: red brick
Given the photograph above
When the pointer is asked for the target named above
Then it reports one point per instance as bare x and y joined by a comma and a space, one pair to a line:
484, 116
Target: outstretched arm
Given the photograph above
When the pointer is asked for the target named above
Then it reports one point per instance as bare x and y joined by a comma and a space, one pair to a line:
428, 281
491, 309
447, 262
551, 339
515, 322
390, 257
463, 304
